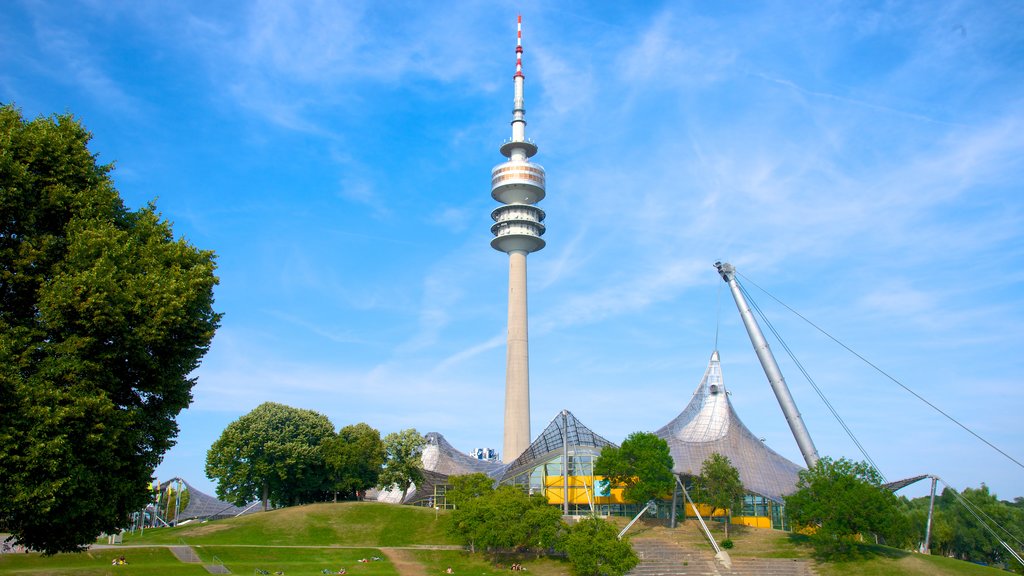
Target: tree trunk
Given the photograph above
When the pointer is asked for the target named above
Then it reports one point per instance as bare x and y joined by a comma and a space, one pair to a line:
266, 495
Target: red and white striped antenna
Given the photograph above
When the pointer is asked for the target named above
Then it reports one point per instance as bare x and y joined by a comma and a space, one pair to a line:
519, 46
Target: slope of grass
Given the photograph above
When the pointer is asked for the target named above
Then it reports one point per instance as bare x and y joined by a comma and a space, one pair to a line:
97, 563
343, 524
462, 563
309, 539
875, 560
246, 560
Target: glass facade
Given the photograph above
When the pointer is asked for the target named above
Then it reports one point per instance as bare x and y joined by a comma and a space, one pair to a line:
559, 465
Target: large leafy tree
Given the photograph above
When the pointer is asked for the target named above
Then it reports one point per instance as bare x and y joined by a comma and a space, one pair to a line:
719, 485
643, 464
354, 459
273, 453
958, 533
103, 316
466, 487
403, 465
506, 518
841, 499
594, 549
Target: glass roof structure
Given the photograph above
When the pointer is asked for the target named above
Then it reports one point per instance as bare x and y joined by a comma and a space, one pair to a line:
440, 460
202, 505
564, 430
709, 424
441, 457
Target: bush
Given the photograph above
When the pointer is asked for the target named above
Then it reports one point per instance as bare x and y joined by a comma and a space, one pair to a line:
727, 544
594, 549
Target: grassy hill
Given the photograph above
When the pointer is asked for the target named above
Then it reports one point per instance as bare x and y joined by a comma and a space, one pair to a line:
343, 524
410, 542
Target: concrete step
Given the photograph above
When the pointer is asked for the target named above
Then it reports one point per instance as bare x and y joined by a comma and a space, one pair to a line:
185, 554
666, 558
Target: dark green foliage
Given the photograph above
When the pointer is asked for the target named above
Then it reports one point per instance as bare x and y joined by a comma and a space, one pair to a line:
594, 549
467, 487
727, 544
103, 315
273, 453
506, 519
403, 464
841, 500
719, 485
354, 460
958, 534
643, 464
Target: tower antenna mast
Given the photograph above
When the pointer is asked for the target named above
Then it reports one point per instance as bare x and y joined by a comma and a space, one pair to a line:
518, 185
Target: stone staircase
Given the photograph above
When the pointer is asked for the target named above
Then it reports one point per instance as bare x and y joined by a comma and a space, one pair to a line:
186, 554
664, 557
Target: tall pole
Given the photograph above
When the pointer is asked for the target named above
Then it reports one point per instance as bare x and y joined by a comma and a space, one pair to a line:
565, 463
928, 529
518, 185
771, 368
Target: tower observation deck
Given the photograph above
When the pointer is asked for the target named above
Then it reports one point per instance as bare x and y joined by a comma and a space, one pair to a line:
518, 185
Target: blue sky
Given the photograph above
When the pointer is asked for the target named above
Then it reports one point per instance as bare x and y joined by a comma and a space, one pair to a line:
861, 161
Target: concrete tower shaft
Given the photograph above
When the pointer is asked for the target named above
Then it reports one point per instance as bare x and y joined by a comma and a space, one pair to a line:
518, 185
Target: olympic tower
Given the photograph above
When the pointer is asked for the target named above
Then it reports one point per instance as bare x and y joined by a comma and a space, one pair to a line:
518, 226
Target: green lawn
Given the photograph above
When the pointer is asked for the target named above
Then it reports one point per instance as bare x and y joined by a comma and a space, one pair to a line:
462, 563
97, 563
307, 540
342, 524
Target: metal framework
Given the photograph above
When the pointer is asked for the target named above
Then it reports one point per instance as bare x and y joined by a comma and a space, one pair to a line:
564, 432
201, 505
709, 424
440, 460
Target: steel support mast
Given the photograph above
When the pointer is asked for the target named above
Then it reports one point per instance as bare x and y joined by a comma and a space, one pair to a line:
771, 367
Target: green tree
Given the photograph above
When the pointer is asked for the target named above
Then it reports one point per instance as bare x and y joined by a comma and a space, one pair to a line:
103, 316
506, 518
719, 485
403, 465
842, 499
354, 459
643, 464
594, 549
970, 540
466, 487
273, 453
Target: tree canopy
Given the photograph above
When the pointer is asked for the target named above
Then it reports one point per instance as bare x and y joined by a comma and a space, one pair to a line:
719, 485
465, 487
594, 549
506, 518
103, 316
273, 453
841, 499
643, 464
403, 465
957, 533
354, 459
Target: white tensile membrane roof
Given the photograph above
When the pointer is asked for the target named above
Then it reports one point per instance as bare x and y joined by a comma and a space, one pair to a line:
709, 424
